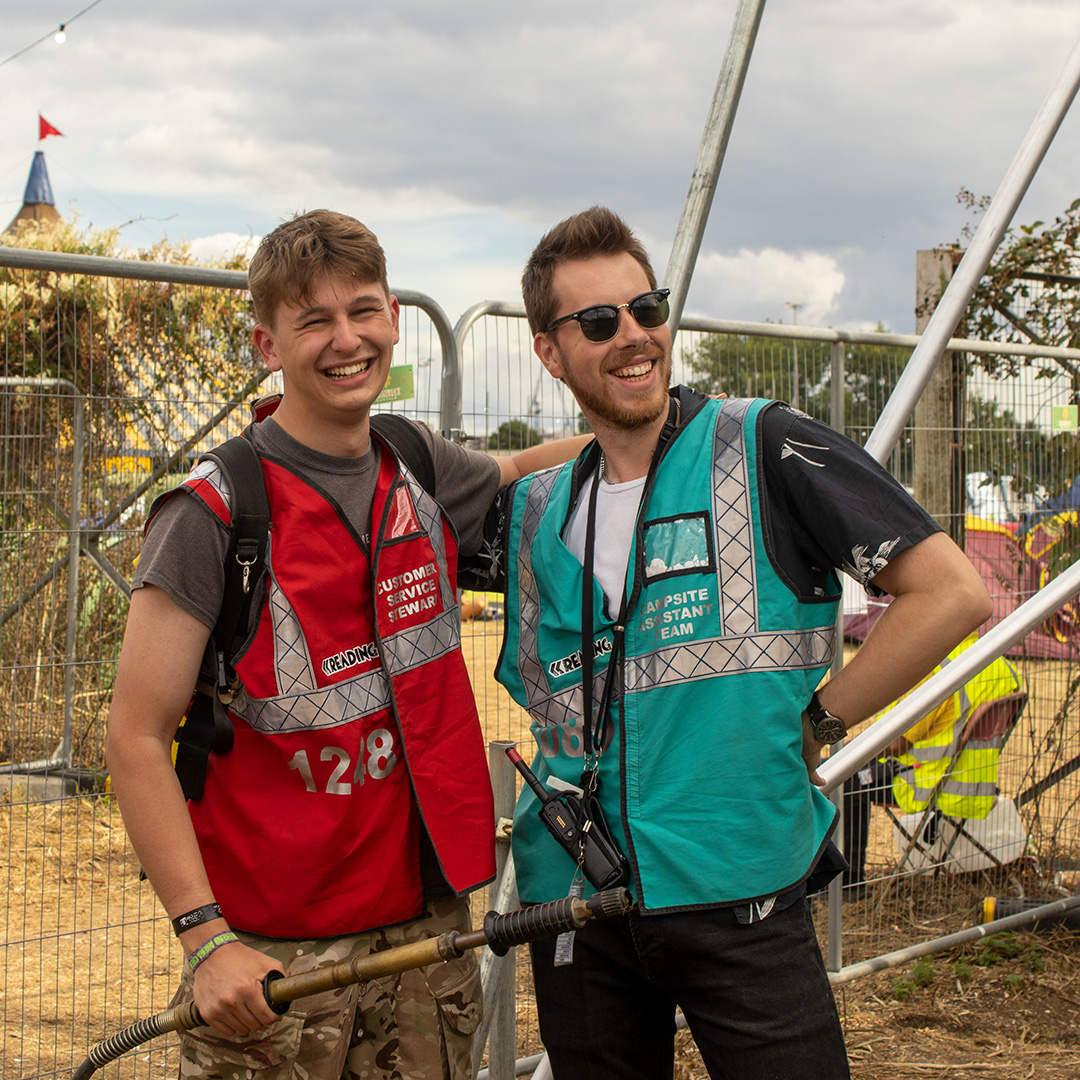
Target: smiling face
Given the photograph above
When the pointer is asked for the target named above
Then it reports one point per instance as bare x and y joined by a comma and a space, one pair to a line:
620, 384
333, 349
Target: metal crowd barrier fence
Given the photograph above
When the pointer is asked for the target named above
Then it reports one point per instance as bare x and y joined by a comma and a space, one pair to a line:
99, 410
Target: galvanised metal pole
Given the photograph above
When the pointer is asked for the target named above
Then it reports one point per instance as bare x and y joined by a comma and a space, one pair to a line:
870, 743
74, 550
960, 289
714, 140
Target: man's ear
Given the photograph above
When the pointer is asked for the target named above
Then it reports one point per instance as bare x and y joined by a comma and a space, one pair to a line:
549, 354
395, 316
263, 337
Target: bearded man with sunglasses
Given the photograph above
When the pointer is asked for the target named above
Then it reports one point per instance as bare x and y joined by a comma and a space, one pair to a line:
671, 600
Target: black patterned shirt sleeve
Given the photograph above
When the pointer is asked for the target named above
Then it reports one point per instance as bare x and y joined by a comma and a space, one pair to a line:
828, 505
486, 569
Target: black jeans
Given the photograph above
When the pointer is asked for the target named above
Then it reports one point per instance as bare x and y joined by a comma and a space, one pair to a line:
756, 997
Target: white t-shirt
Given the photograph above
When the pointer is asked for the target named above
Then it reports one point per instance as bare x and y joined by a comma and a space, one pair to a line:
616, 514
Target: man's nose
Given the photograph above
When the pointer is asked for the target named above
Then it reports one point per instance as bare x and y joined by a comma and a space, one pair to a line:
630, 333
346, 334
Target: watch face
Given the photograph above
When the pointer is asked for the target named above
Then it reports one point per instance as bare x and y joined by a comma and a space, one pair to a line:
829, 730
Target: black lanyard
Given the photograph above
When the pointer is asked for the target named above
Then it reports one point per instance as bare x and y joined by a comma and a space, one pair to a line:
594, 732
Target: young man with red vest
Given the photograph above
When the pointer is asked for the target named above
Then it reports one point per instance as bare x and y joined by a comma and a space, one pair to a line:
354, 809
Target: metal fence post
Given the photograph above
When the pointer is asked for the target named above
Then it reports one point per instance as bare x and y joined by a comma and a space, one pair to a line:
837, 416
499, 1026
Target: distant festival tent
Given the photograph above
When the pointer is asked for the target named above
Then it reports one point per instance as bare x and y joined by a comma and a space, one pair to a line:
38, 202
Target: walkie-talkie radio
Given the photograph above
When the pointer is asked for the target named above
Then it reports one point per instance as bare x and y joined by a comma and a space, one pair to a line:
579, 828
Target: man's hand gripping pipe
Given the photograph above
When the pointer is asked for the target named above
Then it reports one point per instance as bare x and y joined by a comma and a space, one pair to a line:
499, 933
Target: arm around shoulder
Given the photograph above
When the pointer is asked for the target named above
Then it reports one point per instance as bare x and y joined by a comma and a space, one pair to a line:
540, 457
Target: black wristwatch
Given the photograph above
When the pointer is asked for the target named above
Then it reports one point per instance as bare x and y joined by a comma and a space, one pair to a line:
828, 729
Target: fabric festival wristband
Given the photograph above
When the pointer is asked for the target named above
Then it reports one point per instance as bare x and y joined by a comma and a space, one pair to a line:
226, 937
195, 918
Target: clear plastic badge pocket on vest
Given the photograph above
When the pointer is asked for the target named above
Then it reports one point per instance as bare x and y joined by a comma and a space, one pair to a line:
577, 823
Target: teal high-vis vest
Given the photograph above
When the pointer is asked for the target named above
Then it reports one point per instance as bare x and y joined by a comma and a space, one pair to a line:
703, 783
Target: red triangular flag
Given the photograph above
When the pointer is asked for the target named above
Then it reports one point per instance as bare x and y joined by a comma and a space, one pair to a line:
45, 128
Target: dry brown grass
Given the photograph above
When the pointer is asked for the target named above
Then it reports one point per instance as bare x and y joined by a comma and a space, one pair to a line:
87, 949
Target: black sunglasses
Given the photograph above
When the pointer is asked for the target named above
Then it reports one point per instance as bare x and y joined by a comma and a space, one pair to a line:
601, 322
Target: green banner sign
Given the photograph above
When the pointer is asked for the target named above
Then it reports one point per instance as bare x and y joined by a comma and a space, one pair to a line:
399, 385
1064, 417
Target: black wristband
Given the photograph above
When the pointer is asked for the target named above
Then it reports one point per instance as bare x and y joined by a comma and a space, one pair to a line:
195, 918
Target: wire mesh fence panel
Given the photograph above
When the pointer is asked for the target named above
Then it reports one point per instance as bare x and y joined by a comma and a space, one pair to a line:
110, 388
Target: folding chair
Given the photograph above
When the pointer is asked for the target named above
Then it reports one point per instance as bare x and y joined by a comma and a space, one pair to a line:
992, 720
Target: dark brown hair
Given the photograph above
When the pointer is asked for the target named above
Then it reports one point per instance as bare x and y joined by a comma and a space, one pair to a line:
596, 231
297, 253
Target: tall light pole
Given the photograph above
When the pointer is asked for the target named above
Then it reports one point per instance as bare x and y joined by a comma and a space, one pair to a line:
794, 305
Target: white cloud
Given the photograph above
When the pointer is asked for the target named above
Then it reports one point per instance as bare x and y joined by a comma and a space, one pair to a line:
760, 286
461, 134
223, 245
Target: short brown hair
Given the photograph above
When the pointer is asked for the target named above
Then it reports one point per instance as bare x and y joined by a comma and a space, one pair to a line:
289, 261
593, 232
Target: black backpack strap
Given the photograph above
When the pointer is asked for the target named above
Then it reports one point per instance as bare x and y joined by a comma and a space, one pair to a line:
408, 445
207, 728
248, 529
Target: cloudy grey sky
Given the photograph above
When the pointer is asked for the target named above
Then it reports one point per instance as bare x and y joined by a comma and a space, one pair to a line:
460, 132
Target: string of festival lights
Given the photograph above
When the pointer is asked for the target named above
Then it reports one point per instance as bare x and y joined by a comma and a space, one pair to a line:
59, 35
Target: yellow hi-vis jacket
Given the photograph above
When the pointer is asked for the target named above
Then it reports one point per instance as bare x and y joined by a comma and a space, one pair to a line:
970, 775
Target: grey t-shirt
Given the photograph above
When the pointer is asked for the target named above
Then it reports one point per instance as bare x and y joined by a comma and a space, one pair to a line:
185, 547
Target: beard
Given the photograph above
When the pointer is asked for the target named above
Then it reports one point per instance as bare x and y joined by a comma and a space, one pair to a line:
598, 402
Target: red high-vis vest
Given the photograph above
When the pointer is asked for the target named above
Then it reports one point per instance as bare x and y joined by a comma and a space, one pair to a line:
356, 726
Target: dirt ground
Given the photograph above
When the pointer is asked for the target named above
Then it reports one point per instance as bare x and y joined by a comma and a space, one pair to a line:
1007, 1008
86, 951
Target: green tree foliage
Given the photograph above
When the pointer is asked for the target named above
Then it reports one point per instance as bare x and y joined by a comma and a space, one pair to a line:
998, 444
1030, 291
514, 435
123, 340
149, 362
1030, 294
743, 366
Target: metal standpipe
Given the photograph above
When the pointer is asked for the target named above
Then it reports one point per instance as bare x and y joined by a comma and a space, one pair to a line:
951, 941
498, 1028
450, 387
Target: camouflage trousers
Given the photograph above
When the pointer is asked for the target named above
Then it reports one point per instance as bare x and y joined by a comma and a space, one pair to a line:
416, 1025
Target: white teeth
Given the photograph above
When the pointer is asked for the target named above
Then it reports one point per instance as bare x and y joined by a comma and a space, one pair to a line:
633, 371
345, 372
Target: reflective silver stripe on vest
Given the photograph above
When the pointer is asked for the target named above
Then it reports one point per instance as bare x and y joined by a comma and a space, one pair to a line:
533, 676
294, 672
302, 704
924, 755
330, 707
733, 523
420, 645
566, 706
698, 660
767, 651
430, 517
210, 472
951, 786
984, 790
